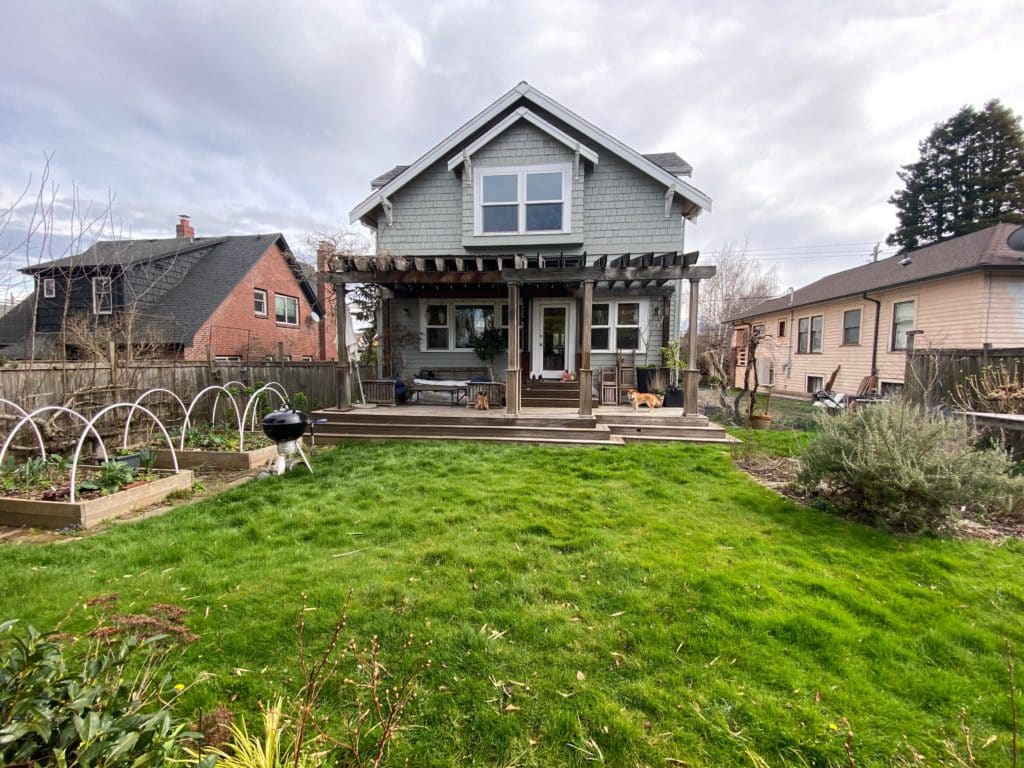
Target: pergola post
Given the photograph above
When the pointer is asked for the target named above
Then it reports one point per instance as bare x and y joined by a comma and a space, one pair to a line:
513, 375
586, 372
692, 373
343, 375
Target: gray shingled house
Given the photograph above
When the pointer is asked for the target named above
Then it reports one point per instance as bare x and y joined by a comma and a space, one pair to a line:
533, 220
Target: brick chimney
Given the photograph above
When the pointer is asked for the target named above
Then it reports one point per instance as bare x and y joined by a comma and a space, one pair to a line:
185, 228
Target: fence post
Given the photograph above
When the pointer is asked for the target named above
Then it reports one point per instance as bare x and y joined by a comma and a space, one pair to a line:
112, 353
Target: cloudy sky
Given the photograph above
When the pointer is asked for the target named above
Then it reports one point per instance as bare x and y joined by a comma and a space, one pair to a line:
258, 116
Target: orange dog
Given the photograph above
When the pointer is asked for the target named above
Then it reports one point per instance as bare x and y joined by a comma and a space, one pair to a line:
642, 398
483, 402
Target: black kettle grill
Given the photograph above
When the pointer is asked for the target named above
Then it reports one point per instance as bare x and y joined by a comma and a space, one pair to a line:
285, 427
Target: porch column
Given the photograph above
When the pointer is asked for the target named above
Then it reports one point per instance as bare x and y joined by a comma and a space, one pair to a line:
692, 374
343, 375
586, 372
513, 375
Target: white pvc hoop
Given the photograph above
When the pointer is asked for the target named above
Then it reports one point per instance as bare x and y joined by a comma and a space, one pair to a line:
216, 399
139, 399
91, 425
188, 411
252, 404
279, 390
35, 427
30, 418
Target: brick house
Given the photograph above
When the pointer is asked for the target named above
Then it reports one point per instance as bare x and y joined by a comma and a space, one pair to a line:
238, 297
960, 293
531, 220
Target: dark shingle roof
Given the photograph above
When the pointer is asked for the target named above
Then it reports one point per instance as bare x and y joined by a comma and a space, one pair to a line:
125, 252
984, 249
387, 176
671, 162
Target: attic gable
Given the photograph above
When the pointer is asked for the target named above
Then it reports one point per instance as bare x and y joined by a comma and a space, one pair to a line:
537, 104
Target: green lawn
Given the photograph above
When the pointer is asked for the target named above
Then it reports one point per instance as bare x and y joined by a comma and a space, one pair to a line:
648, 601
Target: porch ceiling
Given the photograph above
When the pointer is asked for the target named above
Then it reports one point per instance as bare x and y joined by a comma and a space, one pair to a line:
605, 270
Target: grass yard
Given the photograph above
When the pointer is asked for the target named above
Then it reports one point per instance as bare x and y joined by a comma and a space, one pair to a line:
647, 605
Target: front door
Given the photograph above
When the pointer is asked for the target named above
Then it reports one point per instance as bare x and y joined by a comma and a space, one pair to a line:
553, 349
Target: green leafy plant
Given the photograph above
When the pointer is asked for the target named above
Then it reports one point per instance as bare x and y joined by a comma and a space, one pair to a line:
100, 699
147, 459
907, 468
488, 344
113, 476
300, 402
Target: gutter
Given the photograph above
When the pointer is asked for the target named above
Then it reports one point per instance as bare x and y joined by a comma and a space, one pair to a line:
874, 344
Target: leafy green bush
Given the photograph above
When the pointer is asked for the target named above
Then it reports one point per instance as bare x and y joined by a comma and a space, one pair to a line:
101, 700
906, 468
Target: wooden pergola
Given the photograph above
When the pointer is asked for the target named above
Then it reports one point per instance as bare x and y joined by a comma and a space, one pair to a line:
580, 272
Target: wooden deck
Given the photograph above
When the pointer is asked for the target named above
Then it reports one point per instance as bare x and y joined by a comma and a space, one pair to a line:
610, 425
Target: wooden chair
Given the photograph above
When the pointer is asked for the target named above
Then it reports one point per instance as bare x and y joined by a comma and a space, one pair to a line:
625, 367
495, 391
609, 386
379, 391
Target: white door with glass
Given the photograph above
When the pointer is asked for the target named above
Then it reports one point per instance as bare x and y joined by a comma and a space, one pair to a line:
553, 347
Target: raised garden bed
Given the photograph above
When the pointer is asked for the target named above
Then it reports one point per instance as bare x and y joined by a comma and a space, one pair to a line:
227, 460
86, 512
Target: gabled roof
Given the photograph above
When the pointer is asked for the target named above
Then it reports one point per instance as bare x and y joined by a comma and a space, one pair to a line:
222, 262
523, 94
984, 249
671, 162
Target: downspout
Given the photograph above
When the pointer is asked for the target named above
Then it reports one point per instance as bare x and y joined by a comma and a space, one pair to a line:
874, 344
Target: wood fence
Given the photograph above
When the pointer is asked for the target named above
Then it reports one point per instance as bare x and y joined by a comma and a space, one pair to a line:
943, 376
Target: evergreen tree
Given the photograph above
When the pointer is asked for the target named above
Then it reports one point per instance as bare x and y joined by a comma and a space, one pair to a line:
970, 176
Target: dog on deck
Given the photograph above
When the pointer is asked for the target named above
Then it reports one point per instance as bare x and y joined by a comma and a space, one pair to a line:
483, 402
643, 398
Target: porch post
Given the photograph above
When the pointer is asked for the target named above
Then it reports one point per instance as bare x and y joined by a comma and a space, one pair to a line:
692, 374
513, 376
586, 372
343, 375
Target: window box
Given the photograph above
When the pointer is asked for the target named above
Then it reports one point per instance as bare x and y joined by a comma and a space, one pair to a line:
522, 200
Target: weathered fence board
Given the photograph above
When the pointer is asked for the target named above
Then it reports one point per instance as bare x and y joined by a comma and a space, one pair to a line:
935, 376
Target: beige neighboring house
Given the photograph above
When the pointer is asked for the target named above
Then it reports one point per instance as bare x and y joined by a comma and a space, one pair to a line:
962, 293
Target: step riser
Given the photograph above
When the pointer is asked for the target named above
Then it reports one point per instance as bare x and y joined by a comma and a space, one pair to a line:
455, 432
511, 440
681, 432
458, 421
650, 419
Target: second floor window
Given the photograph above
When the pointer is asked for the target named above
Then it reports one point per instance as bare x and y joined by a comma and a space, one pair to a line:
851, 326
102, 296
902, 321
782, 329
286, 310
521, 201
259, 301
809, 333
49, 288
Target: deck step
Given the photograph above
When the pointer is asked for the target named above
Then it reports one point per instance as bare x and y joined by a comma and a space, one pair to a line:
460, 431
611, 440
656, 430
725, 439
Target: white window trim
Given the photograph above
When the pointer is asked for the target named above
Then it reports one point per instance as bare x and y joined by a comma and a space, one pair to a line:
49, 288
451, 304
262, 291
613, 325
285, 323
807, 382
892, 325
110, 293
521, 170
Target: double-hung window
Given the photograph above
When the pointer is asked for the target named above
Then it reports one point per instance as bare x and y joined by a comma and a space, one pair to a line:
49, 288
522, 201
809, 332
102, 296
259, 301
286, 310
902, 321
616, 325
851, 326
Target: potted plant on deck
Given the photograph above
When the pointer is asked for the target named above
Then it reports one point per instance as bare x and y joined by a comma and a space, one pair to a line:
673, 360
488, 344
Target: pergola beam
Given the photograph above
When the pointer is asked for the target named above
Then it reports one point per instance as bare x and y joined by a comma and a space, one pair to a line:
609, 275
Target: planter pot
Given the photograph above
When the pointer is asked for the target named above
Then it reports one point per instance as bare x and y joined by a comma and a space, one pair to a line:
761, 421
643, 379
673, 399
90, 512
225, 460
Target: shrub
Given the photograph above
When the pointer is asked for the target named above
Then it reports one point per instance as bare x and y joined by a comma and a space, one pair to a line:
101, 700
906, 468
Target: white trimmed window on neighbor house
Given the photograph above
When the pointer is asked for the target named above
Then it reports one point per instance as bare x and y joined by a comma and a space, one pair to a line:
851, 327
902, 323
286, 310
259, 301
453, 325
102, 296
809, 333
618, 325
49, 288
523, 200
